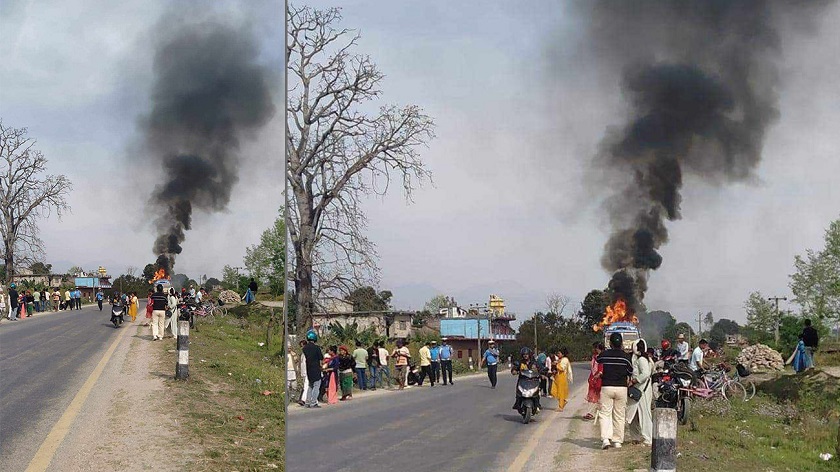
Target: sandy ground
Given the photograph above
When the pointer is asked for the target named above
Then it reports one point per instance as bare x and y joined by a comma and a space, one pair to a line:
128, 421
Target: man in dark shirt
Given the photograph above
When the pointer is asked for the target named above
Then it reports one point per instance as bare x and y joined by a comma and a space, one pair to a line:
614, 381
13, 302
159, 303
314, 356
811, 339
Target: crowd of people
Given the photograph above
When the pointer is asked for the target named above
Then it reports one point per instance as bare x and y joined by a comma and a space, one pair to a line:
321, 377
26, 303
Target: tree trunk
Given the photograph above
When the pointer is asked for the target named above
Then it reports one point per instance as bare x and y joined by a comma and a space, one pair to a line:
303, 289
10, 264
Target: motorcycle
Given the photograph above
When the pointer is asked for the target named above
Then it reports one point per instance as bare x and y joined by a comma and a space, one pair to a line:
674, 384
413, 375
528, 394
117, 314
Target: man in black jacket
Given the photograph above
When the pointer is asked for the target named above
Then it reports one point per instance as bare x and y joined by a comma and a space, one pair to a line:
314, 356
613, 405
13, 302
811, 339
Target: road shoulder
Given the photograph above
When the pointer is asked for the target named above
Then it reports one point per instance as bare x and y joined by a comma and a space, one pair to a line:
128, 422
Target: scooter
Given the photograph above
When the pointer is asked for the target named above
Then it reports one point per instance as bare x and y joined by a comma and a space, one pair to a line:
117, 314
528, 394
413, 374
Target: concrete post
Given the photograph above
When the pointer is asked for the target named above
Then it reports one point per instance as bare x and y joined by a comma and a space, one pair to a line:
663, 456
182, 369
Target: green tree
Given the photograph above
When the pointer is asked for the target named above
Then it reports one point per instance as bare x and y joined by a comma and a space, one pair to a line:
39, 268
683, 328
723, 327
593, 307
368, 299
657, 325
149, 271
439, 301
266, 261
232, 280
816, 282
74, 270
761, 314
211, 283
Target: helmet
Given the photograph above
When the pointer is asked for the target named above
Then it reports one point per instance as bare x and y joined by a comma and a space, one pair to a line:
666, 344
311, 335
525, 351
13, 285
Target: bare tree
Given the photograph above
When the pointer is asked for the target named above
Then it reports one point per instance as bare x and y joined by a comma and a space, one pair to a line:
26, 195
556, 303
131, 271
340, 149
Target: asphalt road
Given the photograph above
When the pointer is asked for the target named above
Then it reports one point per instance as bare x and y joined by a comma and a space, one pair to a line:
44, 361
464, 427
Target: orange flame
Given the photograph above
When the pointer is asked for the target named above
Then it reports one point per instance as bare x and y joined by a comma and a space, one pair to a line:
160, 274
617, 312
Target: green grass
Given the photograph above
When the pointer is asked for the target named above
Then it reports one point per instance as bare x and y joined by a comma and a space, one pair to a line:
224, 409
785, 427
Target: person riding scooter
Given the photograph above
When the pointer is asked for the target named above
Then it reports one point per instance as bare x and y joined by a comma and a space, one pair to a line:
526, 362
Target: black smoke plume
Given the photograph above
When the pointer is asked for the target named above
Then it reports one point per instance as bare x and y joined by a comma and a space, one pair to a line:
210, 92
700, 79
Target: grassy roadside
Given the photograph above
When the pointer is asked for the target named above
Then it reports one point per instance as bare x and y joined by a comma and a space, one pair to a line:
792, 420
223, 405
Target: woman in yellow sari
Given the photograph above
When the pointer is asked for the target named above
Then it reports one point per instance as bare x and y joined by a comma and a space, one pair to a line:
132, 306
562, 378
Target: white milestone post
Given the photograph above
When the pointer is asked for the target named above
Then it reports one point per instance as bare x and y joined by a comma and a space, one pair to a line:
663, 456
182, 368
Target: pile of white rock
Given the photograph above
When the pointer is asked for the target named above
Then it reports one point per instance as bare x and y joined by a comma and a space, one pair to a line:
229, 297
761, 357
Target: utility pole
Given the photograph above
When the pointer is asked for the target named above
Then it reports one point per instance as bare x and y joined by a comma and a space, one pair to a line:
776, 299
699, 325
535, 333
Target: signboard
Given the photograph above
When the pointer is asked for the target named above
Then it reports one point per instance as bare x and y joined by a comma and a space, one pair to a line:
467, 328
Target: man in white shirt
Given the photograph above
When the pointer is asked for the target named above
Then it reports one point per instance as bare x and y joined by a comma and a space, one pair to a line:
383, 363
696, 362
682, 347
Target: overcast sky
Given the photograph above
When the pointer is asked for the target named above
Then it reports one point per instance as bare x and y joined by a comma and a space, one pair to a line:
78, 74
520, 107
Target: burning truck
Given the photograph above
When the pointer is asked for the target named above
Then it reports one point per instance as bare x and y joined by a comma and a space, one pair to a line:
618, 319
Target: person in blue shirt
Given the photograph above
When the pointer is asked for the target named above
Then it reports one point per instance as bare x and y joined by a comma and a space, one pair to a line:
543, 380
446, 361
77, 298
99, 298
491, 358
434, 352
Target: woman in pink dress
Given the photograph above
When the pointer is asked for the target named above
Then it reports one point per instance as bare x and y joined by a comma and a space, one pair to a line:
593, 395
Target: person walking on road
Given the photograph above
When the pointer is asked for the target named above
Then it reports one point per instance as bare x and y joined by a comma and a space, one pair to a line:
616, 374
77, 298
434, 352
13, 302
384, 369
491, 358
173, 312
100, 297
304, 378
314, 356
159, 304
593, 392
360, 355
563, 377
149, 306
642, 370
373, 365
346, 364
446, 361
426, 364
134, 306
401, 357
811, 339
56, 299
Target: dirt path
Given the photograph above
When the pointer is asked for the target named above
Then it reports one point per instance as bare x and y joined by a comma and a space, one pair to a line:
128, 421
